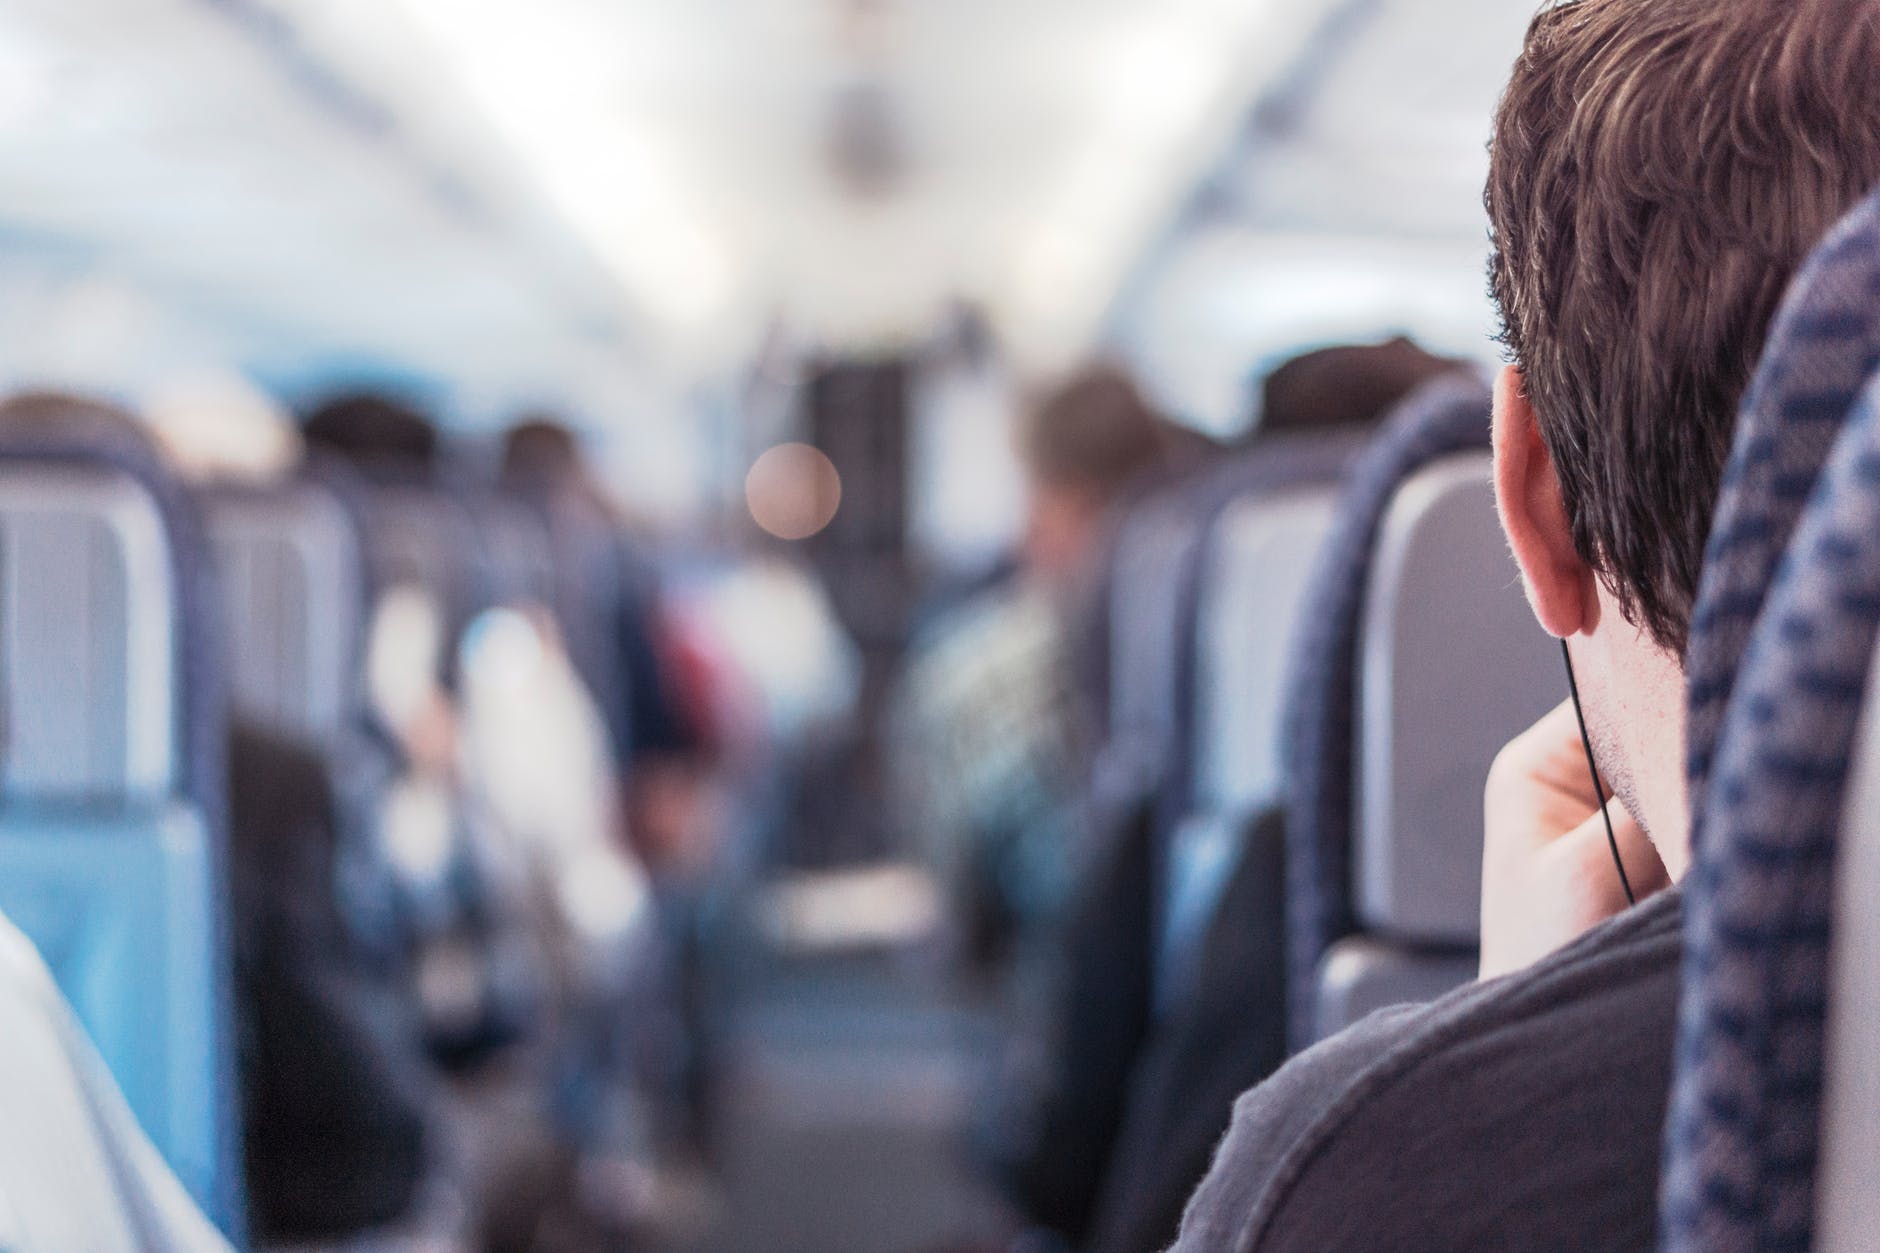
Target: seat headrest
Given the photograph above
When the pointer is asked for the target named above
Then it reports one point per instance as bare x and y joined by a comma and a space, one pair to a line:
1450, 414
1822, 347
1262, 559
1157, 542
294, 584
1847, 1207
1452, 666
1746, 1109
88, 637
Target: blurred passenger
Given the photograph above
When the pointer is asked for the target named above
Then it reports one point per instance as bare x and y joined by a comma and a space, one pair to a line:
76, 1169
1657, 174
668, 793
381, 435
332, 1084
1344, 387
664, 759
1102, 1127
992, 733
1080, 448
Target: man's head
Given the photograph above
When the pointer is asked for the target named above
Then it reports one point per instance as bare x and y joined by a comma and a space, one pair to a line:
1659, 170
1349, 385
376, 433
1080, 448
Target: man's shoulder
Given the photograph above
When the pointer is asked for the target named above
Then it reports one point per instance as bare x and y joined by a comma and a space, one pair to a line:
1398, 1122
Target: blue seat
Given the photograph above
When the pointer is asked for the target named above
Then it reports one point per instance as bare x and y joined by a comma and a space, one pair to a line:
1847, 1207
1781, 639
114, 781
1421, 664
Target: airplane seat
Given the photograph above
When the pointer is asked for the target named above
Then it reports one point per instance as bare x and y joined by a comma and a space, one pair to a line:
295, 587
1154, 543
1779, 658
1848, 1207
1261, 521
1342, 859
1216, 875
1775, 1108
1451, 666
114, 788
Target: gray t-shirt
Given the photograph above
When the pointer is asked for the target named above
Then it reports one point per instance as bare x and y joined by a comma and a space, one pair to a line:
1522, 1113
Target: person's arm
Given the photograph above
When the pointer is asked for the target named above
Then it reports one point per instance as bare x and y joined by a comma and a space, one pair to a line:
1547, 868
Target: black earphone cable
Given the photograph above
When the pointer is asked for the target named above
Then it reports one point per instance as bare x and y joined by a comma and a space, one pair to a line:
1592, 768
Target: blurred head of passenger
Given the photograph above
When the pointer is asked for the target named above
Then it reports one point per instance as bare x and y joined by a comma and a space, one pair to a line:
541, 455
1080, 448
1351, 385
221, 427
1659, 172
54, 415
380, 435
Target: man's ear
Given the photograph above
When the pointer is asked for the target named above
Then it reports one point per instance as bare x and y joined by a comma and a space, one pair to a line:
1534, 515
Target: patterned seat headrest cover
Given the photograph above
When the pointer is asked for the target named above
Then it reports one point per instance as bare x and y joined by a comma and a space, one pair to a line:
1822, 347
1775, 671
1449, 414
1747, 1106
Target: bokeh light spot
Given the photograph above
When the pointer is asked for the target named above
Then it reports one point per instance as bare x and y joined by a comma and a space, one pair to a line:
793, 491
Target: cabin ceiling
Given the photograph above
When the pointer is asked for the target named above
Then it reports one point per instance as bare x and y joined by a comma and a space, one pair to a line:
605, 202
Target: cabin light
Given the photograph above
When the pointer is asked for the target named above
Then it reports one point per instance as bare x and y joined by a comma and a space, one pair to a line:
793, 491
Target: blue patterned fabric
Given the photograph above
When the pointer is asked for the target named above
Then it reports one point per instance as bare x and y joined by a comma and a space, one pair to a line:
1768, 675
1746, 1110
1447, 415
1824, 344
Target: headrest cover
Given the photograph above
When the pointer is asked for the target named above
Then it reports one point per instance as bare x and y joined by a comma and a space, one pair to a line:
294, 583
1453, 666
1446, 416
1823, 346
1262, 563
1746, 1108
87, 638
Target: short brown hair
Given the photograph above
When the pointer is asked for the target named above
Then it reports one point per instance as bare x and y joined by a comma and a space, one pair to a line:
1348, 385
1095, 432
1659, 170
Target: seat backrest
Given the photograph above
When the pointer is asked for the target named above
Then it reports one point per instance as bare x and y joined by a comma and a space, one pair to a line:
1259, 572
1261, 519
111, 837
1452, 666
1447, 415
1155, 544
88, 612
1720, 1190
294, 585
1847, 1205
1747, 1110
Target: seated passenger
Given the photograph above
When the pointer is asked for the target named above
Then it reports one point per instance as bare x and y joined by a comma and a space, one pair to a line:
993, 731
332, 1097
76, 1171
1659, 171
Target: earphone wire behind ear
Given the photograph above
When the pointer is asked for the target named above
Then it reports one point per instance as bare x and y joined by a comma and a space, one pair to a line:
1592, 768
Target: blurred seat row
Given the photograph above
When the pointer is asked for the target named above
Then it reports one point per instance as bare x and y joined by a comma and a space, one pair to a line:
1309, 653
310, 811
